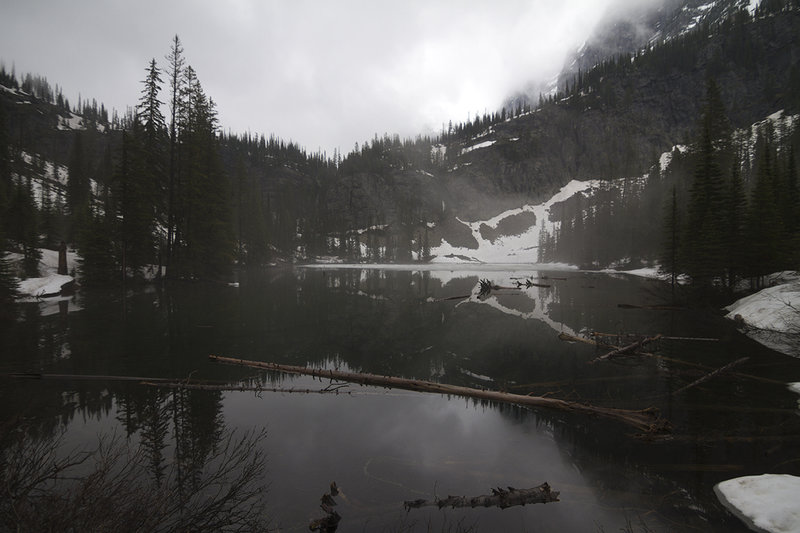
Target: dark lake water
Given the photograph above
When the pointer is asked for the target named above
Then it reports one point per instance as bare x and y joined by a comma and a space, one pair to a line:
383, 447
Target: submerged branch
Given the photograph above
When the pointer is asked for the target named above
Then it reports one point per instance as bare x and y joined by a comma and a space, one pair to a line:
646, 420
712, 374
335, 389
626, 349
571, 338
501, 498
651, 307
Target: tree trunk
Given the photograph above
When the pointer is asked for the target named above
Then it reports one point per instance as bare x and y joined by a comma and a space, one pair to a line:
626, 349
646, 420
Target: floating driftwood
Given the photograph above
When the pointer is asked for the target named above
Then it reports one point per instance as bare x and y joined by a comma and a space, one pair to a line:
645, 420
598, 339
529, 283
638, 345
571, 338
331, 389
329, 522
80, 377
651, 307
499, 497
486, 287
663, 337
712, 374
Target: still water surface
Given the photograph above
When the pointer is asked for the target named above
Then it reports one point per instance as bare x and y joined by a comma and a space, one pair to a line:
383, 447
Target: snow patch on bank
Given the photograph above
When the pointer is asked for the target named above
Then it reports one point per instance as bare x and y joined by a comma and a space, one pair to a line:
772, 315
44, 287
774, 308
768, 502
51, 282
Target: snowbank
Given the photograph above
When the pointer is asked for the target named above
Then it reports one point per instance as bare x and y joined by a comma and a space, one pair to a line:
795, 387
43, 287
772, 316
775, 308
768, 502
51, 282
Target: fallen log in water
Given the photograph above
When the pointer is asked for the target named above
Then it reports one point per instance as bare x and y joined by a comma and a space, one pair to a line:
626, 349
663, 337
712, 374
501, 498
571, 338
645, 420
651, 307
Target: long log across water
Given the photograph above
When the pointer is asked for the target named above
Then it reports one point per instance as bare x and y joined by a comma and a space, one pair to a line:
645, 420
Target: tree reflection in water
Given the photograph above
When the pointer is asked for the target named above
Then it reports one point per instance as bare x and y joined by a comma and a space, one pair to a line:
214, 481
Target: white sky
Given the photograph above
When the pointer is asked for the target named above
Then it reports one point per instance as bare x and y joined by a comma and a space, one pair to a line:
325, 74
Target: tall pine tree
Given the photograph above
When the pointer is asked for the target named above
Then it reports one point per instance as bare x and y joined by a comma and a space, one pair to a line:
177, 82
704, 241
152, 140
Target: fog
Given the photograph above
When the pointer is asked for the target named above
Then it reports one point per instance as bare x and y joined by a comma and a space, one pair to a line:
324, 74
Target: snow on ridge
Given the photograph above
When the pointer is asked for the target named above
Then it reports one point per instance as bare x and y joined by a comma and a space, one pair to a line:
524, 247
749, 137
73, 122
666, 157
484, 144
521, 248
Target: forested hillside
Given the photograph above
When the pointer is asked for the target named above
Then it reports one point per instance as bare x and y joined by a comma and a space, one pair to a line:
161, 185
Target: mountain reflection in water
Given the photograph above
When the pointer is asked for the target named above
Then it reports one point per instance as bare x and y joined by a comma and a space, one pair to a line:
383, 447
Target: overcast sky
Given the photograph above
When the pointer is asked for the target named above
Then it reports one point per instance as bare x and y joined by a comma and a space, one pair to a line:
324, 73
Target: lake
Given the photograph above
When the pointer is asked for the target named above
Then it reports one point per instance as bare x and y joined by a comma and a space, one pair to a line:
383, 447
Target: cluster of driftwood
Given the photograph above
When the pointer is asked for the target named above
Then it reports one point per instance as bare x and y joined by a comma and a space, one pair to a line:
485, 288
502, 498
636, 348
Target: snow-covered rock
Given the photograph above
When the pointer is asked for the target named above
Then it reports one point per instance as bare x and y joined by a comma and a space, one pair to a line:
769, 502
772, 315
51, 282
43, 287
775, 308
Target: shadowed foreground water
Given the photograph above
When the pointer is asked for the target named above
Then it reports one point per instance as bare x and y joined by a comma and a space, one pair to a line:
383, 447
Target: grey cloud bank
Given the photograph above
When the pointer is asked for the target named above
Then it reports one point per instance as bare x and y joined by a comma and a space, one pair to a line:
324, 74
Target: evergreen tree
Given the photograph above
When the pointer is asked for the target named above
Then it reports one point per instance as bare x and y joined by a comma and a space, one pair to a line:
204, 230
22, 225
670, 258
792, 212
78, 188
177, 81
8, 283
135, 209
763, 225
98, 261
705, 230
735, 219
